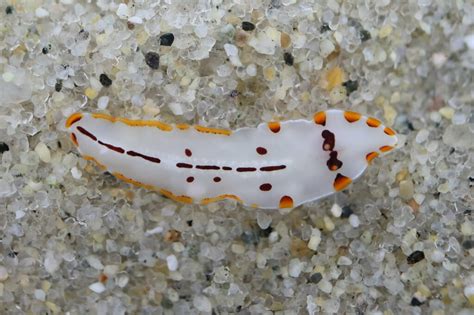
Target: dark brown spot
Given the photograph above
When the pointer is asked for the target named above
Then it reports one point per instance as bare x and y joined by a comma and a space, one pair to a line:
227, 168
261, 151
111, 147
272, 168
329, 140
266, 187
143, 156
188, 152
208, 167
333, 163
217, 179
184, 165
190, 179
246, 169
87, 133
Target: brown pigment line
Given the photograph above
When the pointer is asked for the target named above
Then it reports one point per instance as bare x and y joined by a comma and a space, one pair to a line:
208, 167
184, 165
112, 147
246, 169
272, 168
227, 168
87, 133
145, 157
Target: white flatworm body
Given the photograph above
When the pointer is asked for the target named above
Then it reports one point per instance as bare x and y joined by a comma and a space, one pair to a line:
275, 165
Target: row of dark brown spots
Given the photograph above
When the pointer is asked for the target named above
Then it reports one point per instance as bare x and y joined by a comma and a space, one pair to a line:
118, 149
333, 163
86, 133
208, 167
260, 150
112, 147
329, 140
238, 169
246, 169
184, 165
145, 157
216, 179
272, 168
94, 138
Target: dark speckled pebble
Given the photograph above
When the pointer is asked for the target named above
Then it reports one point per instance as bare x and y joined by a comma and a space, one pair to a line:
415, 302
105, 80
346, 212
289, 59
152, 59
350, 86
266, 232
324, 28
415, 257
58, 86
166, 39
364, 35
315, 277
4, 147
467, 245
46, 49
247, 26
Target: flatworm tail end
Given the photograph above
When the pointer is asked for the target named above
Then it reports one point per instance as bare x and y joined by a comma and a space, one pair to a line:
350, 142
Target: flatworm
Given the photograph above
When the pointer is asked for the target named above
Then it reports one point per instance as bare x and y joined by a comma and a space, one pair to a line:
275, 165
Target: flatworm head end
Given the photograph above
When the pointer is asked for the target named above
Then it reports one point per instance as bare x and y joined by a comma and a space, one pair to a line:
72, 119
